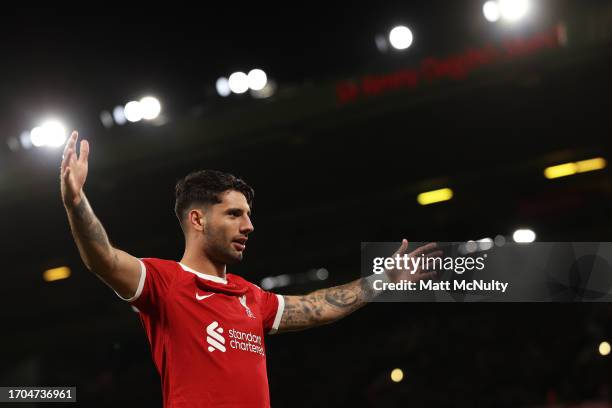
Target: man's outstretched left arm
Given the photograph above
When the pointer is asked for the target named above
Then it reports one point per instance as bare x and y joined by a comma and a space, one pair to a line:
325, 306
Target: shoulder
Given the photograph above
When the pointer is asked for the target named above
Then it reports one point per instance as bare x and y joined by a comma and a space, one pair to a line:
160, 263
161, 267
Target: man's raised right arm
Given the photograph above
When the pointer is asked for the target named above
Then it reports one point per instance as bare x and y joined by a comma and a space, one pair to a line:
118, 269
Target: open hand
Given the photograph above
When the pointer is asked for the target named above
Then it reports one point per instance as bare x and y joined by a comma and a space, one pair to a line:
417, 257
73, 171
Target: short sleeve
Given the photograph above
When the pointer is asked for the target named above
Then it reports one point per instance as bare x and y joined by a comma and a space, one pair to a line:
155, 281
272, 307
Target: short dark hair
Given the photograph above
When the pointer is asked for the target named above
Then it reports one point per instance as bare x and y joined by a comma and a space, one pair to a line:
203, 188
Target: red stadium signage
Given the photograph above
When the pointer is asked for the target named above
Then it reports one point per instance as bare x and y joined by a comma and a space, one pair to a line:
455, 67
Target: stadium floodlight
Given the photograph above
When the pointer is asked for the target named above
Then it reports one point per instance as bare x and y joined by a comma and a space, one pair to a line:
598, 163
257, 79
604, 348
51, 133
485, 244
238, 82
513, 10
571, 168
62, 272
524, 236
507, 10
133, 111
397, 375
435, 196
222, 86
119, 115
25, 139
150, 107
400, 37
491, 11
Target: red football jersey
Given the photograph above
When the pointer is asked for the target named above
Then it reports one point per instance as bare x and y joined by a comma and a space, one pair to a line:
206, 335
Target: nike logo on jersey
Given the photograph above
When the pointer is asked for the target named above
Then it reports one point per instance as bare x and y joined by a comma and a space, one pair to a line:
203, 296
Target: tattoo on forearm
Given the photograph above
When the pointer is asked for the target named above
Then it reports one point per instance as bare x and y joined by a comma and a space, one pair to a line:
301, 311
325, 305
340, 298
91, 239
88, 225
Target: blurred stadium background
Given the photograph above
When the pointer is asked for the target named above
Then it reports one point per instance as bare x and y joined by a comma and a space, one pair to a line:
349, 127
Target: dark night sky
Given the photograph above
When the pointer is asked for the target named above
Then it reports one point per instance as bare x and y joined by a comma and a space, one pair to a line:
67, 62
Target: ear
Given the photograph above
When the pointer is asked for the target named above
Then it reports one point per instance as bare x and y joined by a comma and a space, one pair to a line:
196, 219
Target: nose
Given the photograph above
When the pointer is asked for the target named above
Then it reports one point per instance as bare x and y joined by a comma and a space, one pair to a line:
247, 226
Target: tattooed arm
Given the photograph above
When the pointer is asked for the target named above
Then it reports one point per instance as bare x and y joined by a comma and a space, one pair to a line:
325, 306
116, 268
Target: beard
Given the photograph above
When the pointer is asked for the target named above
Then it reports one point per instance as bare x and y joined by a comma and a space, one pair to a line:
220, 250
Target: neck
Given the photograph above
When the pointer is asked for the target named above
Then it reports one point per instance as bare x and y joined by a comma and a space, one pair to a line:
201, 263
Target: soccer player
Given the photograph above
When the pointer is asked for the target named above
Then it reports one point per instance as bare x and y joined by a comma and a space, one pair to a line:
205, 326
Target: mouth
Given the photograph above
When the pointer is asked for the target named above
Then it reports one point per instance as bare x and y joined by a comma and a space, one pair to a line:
239, 244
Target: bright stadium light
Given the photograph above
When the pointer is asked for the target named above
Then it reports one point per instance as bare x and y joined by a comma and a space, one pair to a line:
598, 163
435, 196
571, 168
25, 139
397, 375
485, 244
513, 10
50, 275
257, 79
238, 82
133, 111
51, 133
222, 86
491, 11
119, 115
36, 137
150, 107
524, 236
400, 37
604, 348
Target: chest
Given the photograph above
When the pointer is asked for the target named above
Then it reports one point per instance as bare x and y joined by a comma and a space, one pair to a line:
197, 308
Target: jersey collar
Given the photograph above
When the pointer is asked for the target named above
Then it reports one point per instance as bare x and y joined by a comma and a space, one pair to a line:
203, 275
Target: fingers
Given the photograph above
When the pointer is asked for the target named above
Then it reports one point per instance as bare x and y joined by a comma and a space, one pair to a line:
66, 160
71, 143
424, 249
402, 249
435, 254
84, 152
